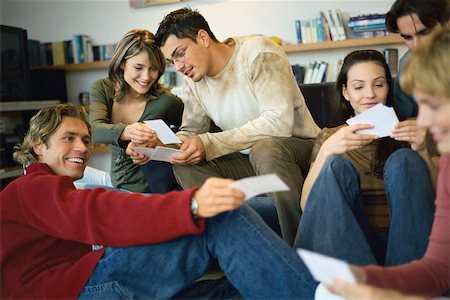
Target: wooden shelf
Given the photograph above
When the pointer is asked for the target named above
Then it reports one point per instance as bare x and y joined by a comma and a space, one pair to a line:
100, 149
95, 65
26, 105
11, 172
350, 43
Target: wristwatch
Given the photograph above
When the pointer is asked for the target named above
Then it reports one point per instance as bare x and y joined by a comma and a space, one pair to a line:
194, 207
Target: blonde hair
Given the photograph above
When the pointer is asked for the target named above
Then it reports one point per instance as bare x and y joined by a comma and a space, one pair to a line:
427, 68
42, 126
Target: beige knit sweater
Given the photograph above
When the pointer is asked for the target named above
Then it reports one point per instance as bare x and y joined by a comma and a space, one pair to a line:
254, 97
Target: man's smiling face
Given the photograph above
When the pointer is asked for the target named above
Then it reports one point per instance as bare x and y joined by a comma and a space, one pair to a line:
67, 149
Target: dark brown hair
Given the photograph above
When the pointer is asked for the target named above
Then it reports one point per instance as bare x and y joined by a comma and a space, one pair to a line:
430, 12
384, 146
183, 23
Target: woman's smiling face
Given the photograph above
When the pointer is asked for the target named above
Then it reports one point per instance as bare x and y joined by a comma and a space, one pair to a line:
366, 86
434, 113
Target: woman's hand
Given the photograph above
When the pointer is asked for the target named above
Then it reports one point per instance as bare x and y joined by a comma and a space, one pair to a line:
409, 132
138, 133
139, 159
359, 291
347, 139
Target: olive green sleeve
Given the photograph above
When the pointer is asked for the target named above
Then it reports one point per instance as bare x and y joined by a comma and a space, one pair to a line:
100, 109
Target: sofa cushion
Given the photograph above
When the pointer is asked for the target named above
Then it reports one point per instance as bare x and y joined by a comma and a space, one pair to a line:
322, 103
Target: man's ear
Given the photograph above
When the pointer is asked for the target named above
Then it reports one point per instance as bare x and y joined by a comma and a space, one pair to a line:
37, 148
203, 38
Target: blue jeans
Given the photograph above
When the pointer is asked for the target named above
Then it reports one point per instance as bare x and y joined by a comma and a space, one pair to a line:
255, 260
264, 206
160, 177
288, 157
334, 222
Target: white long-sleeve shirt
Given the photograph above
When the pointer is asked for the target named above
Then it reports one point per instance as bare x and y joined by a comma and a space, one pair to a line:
254, 97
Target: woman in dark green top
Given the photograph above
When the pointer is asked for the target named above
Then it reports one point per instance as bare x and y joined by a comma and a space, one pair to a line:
120, 103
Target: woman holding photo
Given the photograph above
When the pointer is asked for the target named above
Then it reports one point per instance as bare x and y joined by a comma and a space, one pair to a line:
367, 200
426, 76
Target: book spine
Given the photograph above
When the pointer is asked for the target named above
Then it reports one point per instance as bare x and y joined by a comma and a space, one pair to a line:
309, 72
313, 26
298, 30
321, 72
42, 54
339, 25
58, 53
304, 31
326, 26
68, 51
332, 25
76, 44
48, 53
391, 56
352, 23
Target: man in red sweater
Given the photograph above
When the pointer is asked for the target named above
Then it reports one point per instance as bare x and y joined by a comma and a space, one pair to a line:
60, 242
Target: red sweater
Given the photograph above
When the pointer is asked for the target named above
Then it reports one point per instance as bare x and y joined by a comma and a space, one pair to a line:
47, 229
428, 276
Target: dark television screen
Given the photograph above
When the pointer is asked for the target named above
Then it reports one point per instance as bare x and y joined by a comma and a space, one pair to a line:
15, 78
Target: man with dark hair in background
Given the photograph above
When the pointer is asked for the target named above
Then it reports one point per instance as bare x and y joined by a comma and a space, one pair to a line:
414, 20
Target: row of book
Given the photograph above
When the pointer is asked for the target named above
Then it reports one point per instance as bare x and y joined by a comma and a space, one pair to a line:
329, 26
320, 71
315, 72
370, 25
79, 49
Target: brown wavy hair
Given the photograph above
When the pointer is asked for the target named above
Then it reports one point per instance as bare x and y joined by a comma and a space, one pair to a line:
43, 125
132, 43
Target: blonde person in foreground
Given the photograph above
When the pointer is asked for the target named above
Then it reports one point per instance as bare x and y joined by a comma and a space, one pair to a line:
426, 76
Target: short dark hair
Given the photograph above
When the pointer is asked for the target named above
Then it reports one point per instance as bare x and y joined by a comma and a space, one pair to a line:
183, 23
430, 12
424, 70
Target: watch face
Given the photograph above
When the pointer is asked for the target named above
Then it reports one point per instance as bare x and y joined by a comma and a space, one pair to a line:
194, 207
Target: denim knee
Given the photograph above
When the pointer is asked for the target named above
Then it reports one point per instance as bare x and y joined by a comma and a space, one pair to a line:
404, 159
338, 164
406, 176
403, 168
338, 175
234, 218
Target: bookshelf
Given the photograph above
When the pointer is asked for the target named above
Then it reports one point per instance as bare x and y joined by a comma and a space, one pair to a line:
322, 46
95, 65
349, 43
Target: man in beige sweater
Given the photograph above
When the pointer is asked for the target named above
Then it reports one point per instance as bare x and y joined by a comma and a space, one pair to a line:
247, 88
